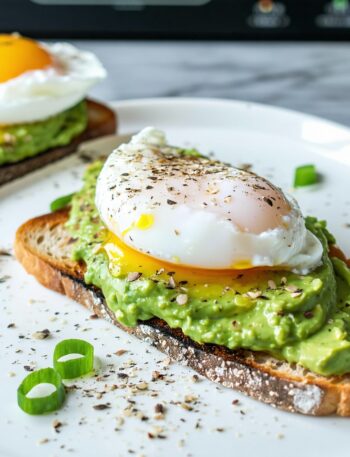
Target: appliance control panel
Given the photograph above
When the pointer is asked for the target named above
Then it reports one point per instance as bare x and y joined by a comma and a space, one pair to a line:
208, 19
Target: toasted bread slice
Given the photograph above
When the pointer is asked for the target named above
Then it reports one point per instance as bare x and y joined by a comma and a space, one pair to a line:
101, 121
43, 246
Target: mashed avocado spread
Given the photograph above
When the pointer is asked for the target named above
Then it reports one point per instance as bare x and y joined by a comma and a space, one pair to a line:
20, 141
301, 319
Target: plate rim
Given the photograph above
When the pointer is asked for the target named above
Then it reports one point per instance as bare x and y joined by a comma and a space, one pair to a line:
246, 104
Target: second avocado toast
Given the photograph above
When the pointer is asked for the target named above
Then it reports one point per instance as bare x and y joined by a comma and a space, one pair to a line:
44, 112
278, 334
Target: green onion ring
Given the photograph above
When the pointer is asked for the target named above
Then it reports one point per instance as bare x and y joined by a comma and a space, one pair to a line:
75, 367
41, 405
305, 175
61, 202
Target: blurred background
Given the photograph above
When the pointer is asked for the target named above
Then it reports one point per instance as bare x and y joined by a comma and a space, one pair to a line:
288, 53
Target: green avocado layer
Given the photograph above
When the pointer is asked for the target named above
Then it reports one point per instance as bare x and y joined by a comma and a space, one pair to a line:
20, 141
301, 319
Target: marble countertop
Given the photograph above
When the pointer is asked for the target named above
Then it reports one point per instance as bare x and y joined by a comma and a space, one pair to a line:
309, 77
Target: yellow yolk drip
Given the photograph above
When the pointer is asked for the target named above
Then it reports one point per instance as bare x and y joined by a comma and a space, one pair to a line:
242, 265
145, 221
123, 259
19, 55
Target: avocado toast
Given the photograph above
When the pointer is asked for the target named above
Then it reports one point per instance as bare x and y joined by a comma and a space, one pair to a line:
44, 111
279, 336
90, 120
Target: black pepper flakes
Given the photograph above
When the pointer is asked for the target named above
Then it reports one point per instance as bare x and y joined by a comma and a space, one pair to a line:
268, 201
122, 375
159, 408
102, 406
4, 278
308, 314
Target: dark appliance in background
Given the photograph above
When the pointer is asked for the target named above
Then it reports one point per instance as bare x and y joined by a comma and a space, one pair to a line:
206, 19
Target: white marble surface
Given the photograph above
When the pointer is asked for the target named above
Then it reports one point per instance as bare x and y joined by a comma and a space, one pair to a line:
310, 77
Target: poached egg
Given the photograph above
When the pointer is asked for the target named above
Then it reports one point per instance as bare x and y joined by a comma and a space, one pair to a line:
40, 80
195, 212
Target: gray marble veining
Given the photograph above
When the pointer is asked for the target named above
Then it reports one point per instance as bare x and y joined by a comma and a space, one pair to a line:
309, 77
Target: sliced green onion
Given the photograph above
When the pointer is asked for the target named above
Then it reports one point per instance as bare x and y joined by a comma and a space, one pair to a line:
305, 175
73, 368
190, 152
61, 202
41, 405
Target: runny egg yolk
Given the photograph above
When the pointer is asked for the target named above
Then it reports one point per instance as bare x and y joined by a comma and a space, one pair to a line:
144, 222
19, 55
123, 259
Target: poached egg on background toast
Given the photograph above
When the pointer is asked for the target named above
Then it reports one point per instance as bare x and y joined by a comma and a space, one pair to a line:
40, 80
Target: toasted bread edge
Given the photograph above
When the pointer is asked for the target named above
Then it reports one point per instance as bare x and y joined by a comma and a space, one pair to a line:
270, 381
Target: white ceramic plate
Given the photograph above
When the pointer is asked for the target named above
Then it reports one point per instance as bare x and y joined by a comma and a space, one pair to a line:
274, 141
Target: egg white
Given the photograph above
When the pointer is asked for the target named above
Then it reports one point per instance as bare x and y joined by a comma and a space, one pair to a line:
39, 94
188, 233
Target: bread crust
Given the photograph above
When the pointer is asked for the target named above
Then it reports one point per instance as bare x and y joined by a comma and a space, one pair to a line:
258, 375
101, 121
